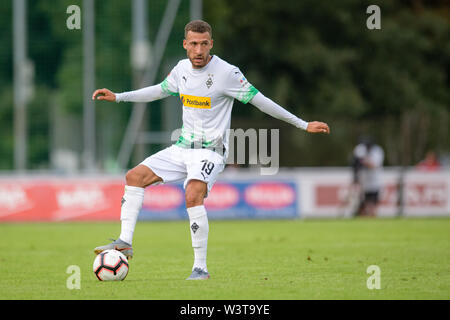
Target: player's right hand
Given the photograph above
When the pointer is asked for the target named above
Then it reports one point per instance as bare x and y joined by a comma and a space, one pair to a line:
104, 94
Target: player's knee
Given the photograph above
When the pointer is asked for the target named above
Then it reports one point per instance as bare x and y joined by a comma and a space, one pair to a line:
193, 199
195, 194
134, 178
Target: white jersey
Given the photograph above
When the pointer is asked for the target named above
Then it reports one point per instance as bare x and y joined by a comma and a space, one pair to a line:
207, 95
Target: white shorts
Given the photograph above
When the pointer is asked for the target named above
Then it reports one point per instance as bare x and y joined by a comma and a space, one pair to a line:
175, 163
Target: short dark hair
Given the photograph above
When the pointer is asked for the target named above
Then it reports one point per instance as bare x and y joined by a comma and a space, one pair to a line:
199, 26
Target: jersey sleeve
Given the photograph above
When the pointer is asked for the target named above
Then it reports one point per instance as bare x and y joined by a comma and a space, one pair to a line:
147, 94
271, 108
170, 84
237, 86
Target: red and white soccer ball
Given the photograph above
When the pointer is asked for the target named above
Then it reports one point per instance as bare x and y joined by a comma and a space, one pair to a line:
110, 265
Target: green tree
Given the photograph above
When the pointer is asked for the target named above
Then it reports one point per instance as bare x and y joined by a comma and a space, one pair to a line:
320, 61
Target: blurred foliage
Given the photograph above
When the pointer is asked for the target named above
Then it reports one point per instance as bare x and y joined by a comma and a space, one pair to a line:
315, 58
320, 61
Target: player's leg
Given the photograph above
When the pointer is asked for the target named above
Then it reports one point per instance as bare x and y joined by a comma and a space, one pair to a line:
372, 203
141, 176
203, 168
164, 166
199, 227
362, 204
136, 180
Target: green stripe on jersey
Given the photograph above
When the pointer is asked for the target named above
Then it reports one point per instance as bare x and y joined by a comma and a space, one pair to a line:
189, 144
187, 140
247, 95
165, 88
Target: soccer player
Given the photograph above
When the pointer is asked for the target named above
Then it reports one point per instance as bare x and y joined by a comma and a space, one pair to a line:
207, 87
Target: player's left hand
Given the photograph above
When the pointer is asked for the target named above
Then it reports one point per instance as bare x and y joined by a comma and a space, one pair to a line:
104, 94
317, 127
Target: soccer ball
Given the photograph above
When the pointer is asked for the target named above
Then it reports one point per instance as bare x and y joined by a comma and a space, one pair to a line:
110, 265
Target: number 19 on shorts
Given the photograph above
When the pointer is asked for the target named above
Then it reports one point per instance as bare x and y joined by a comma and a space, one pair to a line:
207, 168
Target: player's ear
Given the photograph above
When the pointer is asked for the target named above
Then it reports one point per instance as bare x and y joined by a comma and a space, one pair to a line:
212, 43
184, 43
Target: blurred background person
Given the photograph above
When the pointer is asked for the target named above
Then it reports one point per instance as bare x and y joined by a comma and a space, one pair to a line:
368, 159
430, 163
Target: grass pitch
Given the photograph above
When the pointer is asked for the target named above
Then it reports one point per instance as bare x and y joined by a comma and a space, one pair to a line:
271, 259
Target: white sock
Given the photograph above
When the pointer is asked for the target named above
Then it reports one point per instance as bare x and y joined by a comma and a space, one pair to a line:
199, 227
131, 205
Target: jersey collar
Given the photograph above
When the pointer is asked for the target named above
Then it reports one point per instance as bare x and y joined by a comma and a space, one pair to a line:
205, 67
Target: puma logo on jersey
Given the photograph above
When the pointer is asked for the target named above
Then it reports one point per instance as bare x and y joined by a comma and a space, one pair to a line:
195, 102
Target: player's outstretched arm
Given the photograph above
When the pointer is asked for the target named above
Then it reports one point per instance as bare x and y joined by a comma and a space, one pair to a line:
268, 106
317, 127
104, 94
147, 94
